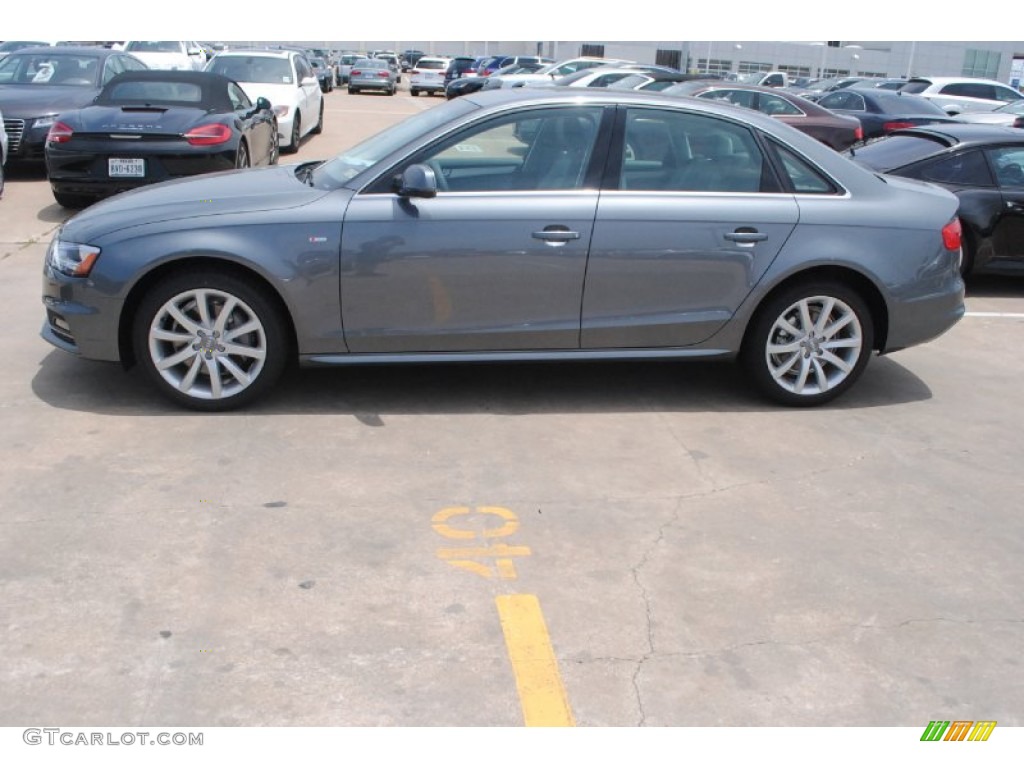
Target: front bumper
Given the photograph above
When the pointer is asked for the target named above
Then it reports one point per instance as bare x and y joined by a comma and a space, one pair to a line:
79, 320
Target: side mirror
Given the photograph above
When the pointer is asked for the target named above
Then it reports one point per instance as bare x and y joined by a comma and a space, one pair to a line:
417, 181
310, 81
263, 103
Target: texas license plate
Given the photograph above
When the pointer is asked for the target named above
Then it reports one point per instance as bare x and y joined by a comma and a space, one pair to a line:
130, 167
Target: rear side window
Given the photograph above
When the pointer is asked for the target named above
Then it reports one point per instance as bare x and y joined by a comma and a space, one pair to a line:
843, 100
739, 98
803, 177
680, 152
969, 90
1009, 166
776, 105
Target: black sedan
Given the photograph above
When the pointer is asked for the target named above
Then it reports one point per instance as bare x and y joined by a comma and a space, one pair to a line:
462, 86
37, 84
146, 127
983, 165
881, 111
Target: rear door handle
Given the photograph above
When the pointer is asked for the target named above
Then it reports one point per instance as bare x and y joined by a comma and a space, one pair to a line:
746, 236
556, 235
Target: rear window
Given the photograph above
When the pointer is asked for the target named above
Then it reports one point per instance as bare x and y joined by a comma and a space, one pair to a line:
146, 46
895, 151
431, 64
897, 103
916, 86
149, 92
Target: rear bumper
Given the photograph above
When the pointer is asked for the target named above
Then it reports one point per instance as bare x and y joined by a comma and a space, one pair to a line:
923, 318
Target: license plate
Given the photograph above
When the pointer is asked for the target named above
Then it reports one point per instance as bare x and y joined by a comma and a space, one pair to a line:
130, 167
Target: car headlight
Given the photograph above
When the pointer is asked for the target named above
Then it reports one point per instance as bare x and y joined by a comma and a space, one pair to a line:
71, 259
44, 122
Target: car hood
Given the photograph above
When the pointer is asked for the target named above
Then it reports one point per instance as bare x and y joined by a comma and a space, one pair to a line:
216, 194
26, 101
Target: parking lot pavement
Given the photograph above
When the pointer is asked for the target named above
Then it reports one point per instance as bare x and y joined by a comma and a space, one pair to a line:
353, 549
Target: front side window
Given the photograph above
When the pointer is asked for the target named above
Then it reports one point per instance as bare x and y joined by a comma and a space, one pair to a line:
238, 98
681, 152
537, 149
969, 90
1008, 163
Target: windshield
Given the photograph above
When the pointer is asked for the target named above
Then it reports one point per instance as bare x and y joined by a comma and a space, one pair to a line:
50, 69
349, 164
145, 46
253, 69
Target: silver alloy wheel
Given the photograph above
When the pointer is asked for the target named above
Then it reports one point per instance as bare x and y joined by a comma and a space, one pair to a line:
814, 345
207, 344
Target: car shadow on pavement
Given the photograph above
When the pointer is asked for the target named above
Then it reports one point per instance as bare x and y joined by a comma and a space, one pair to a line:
368, 392
1006, 280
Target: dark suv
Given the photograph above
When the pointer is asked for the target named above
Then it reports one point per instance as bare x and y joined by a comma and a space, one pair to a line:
460, 66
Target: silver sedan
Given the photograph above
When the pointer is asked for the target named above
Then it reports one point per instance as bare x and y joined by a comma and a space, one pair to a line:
513, 225
373, 75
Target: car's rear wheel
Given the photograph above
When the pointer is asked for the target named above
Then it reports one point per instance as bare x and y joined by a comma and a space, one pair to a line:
352, 90
293, 145
209, 340
320, 120
275, 145
414, 91
809, 343
242, 155
72, 201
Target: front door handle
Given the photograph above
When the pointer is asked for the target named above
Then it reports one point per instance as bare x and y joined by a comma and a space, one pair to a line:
556, 235
746, 235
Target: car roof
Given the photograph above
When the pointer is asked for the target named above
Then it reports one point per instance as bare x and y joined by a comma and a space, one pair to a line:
947, 80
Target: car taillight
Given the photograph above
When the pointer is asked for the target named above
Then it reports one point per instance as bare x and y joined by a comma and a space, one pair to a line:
952, 235
382, 74
858, 134
59, 133
355, 72
469, 71
211, 133
1019, 122
895, 125
415, 71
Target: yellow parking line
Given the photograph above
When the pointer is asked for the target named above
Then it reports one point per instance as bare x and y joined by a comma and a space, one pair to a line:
541, 692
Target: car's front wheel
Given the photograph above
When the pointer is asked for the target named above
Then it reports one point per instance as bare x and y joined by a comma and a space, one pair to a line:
809, 343
72, 201
210, 340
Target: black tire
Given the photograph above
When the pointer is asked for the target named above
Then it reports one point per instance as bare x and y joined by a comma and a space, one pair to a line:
414, 91
805, 374
293, 146
198, 390
968, 249
352, 90
72, 201
275, 145
319, 120
242, 159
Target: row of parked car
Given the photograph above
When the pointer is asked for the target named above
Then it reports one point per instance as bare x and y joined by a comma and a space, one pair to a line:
103, 121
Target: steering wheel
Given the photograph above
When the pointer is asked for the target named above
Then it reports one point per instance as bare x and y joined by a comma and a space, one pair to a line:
442, 182
1012, 173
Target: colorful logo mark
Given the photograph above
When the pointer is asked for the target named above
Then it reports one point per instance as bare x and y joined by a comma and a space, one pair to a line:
958, 730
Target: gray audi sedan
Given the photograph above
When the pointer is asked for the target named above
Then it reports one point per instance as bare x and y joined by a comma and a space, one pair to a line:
517, 225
